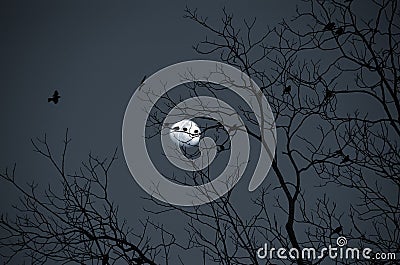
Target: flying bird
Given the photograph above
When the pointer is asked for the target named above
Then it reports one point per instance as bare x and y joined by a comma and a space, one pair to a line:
337, 230
54, 98
345, 159
329, 26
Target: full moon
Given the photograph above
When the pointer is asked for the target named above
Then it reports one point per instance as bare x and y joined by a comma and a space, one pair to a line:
185, 133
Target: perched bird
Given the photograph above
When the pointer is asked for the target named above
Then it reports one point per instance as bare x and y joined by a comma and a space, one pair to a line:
337, 230
338, 152
144, 78
220, 148
138, 261
345, 159
328, 95
329, 26
105, 259
142, 82
287, 90
54, 98
339, 31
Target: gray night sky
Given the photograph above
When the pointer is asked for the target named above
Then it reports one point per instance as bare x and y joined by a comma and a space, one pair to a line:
95, 53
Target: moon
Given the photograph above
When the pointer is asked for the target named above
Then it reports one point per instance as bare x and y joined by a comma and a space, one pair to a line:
185, 133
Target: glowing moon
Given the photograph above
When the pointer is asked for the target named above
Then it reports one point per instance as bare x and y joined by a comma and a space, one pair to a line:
185, 133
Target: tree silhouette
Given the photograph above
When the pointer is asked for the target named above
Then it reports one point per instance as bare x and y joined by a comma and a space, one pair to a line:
331, 77
75, 221
316, 71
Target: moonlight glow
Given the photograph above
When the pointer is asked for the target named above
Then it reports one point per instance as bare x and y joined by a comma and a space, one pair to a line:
185, 133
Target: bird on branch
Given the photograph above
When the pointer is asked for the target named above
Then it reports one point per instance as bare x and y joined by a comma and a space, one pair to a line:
142, 82
339, 31
144, 78
337, 230
287, 90
345, 159
330, 26
105, 259
138, 261
328, 95
338, 152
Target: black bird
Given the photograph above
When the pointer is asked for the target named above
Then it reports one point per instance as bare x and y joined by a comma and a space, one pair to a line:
338, 152
287, 90
339, 31
138, 261
105, 259
345, 159
337, 230
142, 82
54, 98
328, 95
144, 78
329, 26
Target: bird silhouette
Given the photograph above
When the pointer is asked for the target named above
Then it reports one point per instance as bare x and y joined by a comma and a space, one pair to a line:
338, 152
138, 261
337, 230
54, 98
328, 95
287, 90
220, 148
105, 259
144, 78
329, 26
339, 31
345, 159
142, 82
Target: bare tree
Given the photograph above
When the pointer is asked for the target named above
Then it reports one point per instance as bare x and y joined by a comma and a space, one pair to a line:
322, 72
317, 71
74, 221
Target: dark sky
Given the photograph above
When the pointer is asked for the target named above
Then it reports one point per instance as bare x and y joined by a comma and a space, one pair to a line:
94, 53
